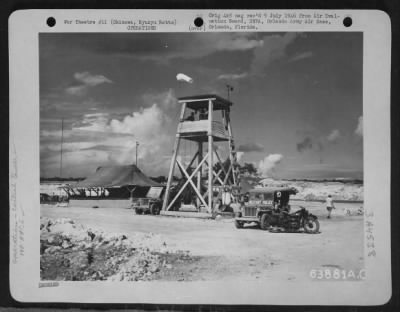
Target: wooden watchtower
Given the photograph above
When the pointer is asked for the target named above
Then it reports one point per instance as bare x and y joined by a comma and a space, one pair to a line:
204, 121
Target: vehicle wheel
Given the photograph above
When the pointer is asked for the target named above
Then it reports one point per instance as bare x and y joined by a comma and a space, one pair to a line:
155, 209
138, 211
238, 224
311, 226
264, 223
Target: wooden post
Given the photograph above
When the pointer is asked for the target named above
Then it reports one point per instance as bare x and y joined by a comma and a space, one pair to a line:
231, 158
173, 160
210, 156
199, 159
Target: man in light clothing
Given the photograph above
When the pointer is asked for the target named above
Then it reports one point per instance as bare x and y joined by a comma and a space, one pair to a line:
226, 199
329, 205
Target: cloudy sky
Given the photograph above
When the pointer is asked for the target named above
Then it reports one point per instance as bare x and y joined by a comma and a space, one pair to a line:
297, 98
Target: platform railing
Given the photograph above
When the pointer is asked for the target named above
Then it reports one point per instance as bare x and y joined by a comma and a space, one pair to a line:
202, 126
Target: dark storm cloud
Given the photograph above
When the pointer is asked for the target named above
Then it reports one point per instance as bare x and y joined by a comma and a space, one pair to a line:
304, 145
251, 147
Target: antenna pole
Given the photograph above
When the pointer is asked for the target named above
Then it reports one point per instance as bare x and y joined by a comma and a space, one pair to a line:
137, 146
62, 139
229, 89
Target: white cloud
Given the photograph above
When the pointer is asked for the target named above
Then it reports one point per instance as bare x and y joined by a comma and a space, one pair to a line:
301, 56
93, 122
237, 42
91, 80
233, 76
166, 100
142, 124
359, 129
239, 156
334, 136
77, 90
97, 139
266, 165
54, 134
70, 146
86, 80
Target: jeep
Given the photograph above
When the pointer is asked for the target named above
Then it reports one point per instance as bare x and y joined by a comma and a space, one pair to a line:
260, 201
152, 203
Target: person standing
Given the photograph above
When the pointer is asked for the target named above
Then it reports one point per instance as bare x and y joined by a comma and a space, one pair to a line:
226, 199
329, 205
191, 117
203, 115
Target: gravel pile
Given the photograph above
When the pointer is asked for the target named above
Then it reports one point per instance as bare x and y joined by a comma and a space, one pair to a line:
72, 251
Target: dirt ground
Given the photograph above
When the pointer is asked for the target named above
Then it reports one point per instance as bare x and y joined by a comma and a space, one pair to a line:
219, 251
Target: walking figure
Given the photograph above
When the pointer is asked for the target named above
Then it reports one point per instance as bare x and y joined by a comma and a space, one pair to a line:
329, 205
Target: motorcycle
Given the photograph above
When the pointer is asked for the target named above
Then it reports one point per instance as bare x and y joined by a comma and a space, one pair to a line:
291, 222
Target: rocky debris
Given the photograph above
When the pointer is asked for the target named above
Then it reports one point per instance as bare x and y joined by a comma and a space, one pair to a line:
71, 251
52, 249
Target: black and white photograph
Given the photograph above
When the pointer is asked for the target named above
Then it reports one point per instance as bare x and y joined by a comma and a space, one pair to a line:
186, 157
200, 157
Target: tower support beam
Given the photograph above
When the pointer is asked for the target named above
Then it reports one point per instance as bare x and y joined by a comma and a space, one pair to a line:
210, 157
173, 160
199, 158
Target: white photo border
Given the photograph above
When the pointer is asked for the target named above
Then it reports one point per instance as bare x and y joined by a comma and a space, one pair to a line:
24, 152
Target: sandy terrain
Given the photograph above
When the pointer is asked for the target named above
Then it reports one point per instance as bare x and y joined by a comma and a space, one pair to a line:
220, 251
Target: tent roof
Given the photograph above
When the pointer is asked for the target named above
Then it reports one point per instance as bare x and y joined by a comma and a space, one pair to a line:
116, 176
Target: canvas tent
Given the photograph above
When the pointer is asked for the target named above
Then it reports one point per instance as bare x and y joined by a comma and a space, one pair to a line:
112, 182
116, 176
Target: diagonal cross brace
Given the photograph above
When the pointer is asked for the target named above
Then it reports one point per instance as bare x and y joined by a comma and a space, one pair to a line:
192, 184
219, 159
187, 181
215, 179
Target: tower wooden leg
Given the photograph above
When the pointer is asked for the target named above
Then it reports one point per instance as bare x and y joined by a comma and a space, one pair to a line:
171, 172
210, 173
200, 158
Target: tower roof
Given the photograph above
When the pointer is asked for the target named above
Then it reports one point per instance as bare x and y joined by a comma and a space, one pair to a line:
201, 101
